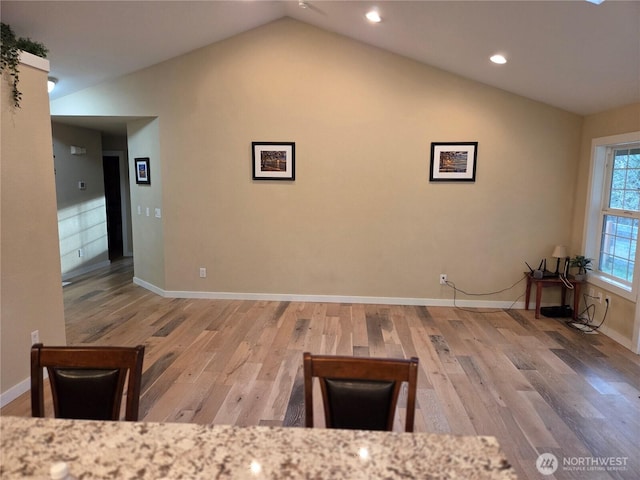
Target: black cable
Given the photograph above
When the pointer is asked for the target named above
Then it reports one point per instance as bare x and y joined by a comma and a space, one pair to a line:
587, 324
456, 290
589, 308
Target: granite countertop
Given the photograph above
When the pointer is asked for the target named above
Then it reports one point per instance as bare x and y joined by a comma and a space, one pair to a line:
127, 450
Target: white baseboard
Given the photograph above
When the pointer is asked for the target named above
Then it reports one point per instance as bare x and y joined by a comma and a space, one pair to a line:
149, 286
616, 337
290, 297
14, 392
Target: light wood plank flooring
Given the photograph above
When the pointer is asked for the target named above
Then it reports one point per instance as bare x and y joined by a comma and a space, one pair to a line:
537, 385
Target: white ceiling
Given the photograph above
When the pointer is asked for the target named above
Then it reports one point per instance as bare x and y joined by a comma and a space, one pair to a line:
580, 57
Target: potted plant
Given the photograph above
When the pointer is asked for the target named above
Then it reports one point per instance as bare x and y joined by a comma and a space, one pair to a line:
584, 264
10, 53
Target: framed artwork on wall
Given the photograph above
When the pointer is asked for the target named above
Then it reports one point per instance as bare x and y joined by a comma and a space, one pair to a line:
274, 160
143, 175
453, 161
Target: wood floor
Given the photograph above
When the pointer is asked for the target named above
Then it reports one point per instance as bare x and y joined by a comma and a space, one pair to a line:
536, 385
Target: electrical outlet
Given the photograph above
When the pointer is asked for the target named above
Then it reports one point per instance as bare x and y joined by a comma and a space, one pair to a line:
80, 253
35, 337
599, 297
607, 299
203, 272
443, 279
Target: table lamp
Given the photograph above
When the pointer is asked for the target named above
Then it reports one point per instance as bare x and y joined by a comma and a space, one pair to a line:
559, 252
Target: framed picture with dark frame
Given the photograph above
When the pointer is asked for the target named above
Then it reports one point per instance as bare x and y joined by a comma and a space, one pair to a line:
143, 175
274, 160
453, 161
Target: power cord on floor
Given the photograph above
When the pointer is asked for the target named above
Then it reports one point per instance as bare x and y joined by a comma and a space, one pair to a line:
585, 325
456, 290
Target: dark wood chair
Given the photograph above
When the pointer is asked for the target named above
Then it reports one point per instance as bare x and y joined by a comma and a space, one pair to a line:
358, 392
87, 382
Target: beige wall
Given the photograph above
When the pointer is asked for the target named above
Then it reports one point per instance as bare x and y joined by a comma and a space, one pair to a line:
148, 229
621, 316
362, 218
31, 287
82, 218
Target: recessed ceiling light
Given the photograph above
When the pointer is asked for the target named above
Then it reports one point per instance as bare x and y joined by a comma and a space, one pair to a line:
373, 16
596, 2
499, 59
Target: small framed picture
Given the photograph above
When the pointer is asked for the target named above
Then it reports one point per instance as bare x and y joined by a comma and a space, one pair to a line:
143, 175
274, 160
453, 162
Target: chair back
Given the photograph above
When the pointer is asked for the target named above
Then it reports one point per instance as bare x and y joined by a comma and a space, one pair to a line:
87, 382
358, 392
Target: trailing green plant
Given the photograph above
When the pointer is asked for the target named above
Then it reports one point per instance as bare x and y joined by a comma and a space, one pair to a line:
10, 53
583, 263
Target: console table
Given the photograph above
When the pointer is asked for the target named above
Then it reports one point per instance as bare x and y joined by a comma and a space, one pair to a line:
139, 450
542, 283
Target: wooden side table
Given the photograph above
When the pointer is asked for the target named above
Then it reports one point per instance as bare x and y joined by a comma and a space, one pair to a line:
541, 283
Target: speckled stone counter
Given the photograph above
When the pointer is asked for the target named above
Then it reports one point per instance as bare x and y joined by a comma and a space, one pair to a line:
124, 450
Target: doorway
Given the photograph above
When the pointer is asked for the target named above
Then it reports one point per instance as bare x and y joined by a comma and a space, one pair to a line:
113, 201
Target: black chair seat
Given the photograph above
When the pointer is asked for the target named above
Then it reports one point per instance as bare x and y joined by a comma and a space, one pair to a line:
359, 404
84, 393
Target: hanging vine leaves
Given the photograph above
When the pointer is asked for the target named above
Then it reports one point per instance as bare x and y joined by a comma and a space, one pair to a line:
10, 50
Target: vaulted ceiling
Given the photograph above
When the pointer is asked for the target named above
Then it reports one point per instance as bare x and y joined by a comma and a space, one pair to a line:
575, 55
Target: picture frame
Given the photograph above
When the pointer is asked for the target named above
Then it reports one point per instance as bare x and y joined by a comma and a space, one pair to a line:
274, 160
143, 174
453, 161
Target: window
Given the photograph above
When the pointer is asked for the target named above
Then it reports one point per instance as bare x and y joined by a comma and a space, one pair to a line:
613, 218
621, 212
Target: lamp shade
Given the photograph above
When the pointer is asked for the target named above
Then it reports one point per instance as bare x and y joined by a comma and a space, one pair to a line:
560, 252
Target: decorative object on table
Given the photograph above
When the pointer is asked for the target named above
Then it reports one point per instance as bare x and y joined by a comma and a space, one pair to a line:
11, 48
560, 251
584, 264
143, 175
274, 160
453, 161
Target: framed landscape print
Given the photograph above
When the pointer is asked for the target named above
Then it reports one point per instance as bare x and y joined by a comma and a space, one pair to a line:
453, 162
143, 176
274, 160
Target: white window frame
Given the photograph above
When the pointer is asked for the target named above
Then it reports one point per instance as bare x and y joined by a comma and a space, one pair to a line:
596, 209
